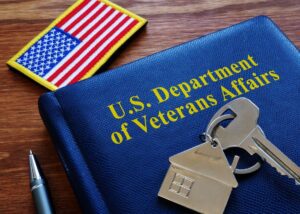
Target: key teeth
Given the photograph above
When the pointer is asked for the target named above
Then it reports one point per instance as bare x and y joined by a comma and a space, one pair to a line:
288, 175
285, 174
278, 168
282, 172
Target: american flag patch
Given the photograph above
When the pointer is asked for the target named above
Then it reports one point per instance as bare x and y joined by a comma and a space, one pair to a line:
77, 43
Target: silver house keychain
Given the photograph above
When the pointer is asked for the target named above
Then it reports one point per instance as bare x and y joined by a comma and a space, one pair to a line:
201, 178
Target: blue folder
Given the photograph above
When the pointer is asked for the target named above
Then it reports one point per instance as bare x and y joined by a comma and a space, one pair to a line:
116, 131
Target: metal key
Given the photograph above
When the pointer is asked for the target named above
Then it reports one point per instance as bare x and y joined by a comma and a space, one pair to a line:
243, 132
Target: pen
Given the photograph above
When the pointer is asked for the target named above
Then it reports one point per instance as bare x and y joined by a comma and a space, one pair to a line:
38, 187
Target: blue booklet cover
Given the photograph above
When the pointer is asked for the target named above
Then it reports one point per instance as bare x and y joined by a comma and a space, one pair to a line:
116, 131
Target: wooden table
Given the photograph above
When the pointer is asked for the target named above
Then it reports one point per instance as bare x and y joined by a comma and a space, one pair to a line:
171, 22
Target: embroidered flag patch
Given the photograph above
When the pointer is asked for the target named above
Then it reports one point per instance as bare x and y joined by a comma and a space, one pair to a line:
77, 43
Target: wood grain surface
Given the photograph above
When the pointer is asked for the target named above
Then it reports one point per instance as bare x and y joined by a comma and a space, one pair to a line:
171, 22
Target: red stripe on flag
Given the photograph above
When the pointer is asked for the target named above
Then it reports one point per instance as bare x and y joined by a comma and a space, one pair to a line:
103, 52
84, 25
78, 19
83, 48
72, 13
97, 46
86, 34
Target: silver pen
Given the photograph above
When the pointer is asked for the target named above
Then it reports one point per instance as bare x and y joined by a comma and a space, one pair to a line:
38, 187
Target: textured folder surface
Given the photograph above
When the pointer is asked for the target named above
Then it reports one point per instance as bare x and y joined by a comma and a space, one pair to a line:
116, 131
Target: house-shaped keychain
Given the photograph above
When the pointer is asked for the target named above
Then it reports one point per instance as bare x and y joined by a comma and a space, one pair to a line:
200, 179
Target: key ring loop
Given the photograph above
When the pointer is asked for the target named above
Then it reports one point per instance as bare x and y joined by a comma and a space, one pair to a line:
208, 136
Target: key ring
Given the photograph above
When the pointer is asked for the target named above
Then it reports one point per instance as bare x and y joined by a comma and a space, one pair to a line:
208, 137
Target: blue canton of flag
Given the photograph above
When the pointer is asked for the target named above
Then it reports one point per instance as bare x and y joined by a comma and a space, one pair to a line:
48, 51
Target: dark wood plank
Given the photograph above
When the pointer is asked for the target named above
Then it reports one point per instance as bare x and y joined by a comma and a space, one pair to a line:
170, 23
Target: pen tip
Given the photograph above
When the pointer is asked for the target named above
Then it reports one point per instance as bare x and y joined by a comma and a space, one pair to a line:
30, 152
